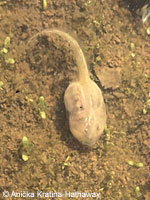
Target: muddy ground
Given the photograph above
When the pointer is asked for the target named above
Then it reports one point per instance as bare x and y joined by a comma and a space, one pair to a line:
116, 47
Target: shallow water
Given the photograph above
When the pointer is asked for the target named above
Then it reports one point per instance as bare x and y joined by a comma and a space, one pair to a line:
111, 38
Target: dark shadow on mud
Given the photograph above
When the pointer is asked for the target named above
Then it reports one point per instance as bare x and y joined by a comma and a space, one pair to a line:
133, 5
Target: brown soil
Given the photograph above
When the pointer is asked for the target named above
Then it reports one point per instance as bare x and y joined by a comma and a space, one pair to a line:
58, 162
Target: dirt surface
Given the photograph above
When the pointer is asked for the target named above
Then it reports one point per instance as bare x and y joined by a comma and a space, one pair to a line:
112, 38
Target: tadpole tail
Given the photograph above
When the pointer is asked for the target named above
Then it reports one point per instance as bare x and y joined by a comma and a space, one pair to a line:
79, 56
